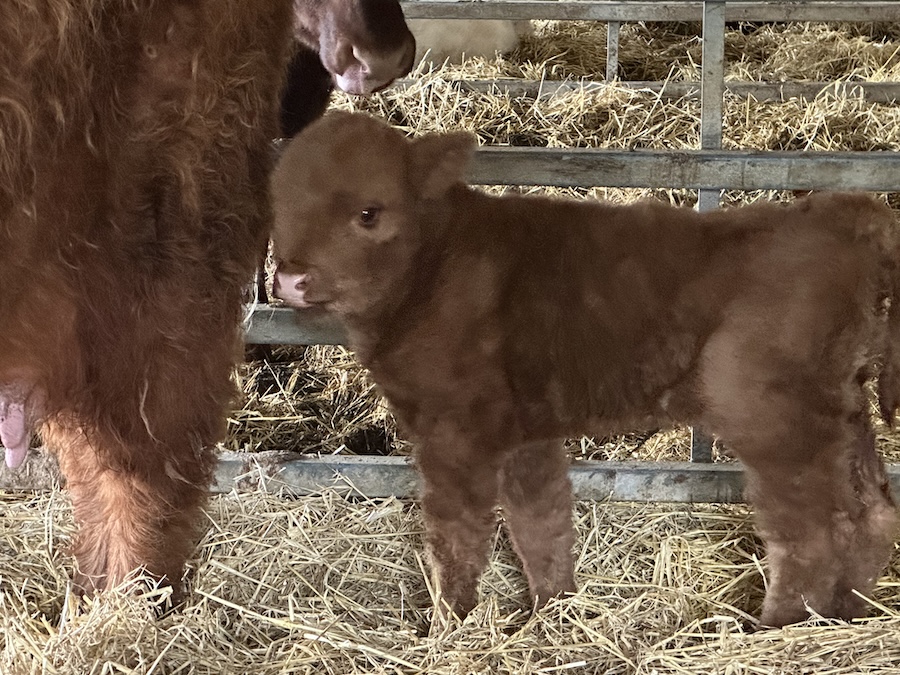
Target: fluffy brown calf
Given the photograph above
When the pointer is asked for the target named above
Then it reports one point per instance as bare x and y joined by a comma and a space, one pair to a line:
134, 158
496, 326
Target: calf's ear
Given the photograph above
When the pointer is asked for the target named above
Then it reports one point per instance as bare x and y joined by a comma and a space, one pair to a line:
441, 160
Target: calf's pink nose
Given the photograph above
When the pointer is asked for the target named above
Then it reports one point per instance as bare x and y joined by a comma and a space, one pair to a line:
297, 281
290, 287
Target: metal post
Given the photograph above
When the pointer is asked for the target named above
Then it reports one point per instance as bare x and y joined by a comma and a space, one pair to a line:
712, 88
612, 50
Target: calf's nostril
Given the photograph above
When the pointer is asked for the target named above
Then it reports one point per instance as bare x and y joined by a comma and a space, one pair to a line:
300, 283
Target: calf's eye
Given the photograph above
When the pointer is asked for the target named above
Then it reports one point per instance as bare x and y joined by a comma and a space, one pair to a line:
368, 217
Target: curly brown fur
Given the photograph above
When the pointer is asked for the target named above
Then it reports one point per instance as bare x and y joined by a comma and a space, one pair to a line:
495, 325
136, 151
133, 170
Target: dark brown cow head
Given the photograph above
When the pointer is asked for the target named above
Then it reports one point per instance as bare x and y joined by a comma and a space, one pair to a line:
364, 44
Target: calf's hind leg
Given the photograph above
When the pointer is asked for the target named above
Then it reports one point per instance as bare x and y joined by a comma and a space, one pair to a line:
870, 526
536, 497
827, 519
787, 399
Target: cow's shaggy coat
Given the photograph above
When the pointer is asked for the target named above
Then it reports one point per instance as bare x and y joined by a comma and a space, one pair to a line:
496, 326
134, 159
135, 153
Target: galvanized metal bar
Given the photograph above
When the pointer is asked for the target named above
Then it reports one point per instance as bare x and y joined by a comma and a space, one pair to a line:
379, 477
691, 169
266, 325
683, 482
872, 92
612, 50
396, 476
701, 447
712, 90
655, 10
375, 477
372, 476
39, 471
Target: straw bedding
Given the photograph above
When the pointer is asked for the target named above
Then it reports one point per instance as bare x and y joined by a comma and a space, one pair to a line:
329, 585
326, 584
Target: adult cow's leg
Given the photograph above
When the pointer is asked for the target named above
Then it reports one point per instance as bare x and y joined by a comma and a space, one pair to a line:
137, 508
138, 453
142, 200
460, 488
536, 496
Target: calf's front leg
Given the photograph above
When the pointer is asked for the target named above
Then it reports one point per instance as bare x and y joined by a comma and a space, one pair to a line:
460, 488
536, 496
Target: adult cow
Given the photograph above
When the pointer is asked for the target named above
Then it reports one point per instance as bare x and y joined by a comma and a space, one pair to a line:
134, 152
355, 61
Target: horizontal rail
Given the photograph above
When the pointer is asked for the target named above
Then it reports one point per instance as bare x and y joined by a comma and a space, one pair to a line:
875, 171
658, 10
377, 477
267, 325
873, 92
693, 169
396, 476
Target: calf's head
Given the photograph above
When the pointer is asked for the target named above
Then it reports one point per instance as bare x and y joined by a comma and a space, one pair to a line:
356, 207
364, 44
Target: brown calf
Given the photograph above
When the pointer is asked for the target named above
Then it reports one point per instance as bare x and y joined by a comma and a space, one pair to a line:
496, 326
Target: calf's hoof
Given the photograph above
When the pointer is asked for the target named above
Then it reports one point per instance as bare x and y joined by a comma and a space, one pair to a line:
778, 613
